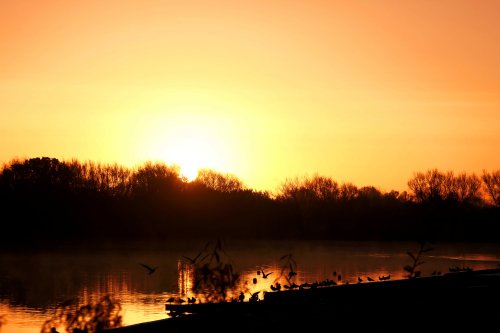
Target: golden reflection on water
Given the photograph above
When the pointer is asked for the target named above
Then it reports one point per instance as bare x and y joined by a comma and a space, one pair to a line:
185, 277
28, 299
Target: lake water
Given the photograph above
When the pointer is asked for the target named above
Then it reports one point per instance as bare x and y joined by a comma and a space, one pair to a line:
32, 285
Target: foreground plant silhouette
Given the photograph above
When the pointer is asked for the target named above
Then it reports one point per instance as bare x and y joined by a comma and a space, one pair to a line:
288, 268
412, 269
214, 276
89, 318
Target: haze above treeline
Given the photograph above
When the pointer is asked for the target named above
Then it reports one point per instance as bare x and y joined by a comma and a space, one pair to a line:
47, 202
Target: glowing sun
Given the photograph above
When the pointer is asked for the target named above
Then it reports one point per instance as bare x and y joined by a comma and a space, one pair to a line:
191, 143
192, 154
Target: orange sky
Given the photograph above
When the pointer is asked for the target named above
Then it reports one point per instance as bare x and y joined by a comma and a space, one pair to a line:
362, 91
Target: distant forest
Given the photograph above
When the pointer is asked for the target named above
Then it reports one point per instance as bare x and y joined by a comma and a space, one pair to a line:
46, 202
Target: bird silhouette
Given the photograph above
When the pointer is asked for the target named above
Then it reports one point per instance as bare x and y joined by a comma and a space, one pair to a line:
370, 279
170, 300
277, 287
150, 269
193, 260
291, 274
264, 275
254, 280
360, 280
191, 300
254, 297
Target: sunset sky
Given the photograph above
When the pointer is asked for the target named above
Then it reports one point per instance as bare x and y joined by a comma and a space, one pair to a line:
361, 91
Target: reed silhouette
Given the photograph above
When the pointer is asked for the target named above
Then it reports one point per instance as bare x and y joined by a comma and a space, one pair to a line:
214, 275
416, 260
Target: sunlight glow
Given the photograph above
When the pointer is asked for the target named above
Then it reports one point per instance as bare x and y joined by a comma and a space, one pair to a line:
191, 154
188, 140
268, 89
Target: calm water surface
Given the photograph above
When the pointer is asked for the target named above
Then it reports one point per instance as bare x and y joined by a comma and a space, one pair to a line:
33, 284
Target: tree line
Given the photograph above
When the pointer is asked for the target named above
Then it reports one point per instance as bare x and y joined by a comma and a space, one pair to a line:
46, 202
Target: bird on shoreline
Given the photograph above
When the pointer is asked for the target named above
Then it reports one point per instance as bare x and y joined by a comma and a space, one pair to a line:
150, 269
277, 287
254, 297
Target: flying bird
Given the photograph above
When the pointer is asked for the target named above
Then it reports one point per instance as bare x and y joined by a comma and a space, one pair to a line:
264, 275
193, 260
151, 270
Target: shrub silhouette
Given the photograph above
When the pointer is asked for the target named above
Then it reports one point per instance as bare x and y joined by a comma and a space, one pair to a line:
105, 314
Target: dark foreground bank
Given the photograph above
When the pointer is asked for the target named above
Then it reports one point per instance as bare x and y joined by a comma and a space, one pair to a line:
455, 301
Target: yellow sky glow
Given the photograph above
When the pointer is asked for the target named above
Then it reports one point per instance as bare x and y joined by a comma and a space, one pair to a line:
366, 92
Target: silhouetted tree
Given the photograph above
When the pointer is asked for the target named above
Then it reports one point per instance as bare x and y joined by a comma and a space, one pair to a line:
154, 179
429, 186
37, 175
53, 201
317, 187
348, 192
468, 188
219, 182
492, 185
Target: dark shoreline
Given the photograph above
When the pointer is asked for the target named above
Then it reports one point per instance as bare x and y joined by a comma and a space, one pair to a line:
452, 301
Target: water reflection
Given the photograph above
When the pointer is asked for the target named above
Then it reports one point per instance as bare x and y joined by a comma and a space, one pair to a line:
185, 273
32, 285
